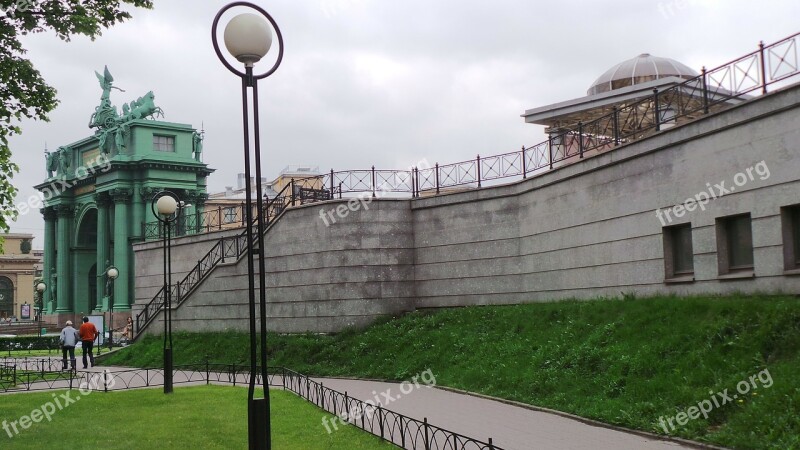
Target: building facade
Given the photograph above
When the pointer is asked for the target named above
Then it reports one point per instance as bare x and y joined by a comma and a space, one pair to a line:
17, 275
98, 196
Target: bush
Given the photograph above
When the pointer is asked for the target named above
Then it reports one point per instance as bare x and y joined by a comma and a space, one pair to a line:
29, 343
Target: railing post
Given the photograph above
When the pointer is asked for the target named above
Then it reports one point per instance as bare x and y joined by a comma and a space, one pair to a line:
427, 441
705, 91
347, 406
524, 164
373, 181
616, 125
491, 444
340, 191
656, 118
580, 139
380, 420
241, 208
437, 177
413, 182
334, 406
105, 381
763, 68
292, 183
550, 149
478, 162
207, 372
234, 373
416, 169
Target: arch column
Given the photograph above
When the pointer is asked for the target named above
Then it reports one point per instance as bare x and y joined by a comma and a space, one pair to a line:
49, 256
121, 198
198, 198
103, 202
63, 276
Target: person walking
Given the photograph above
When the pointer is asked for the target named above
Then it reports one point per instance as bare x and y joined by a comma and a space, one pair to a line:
68, 340
88, 333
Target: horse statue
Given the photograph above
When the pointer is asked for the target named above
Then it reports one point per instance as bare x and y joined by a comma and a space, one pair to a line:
143, 107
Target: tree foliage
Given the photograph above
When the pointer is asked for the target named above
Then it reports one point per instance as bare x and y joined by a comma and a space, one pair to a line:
24, 94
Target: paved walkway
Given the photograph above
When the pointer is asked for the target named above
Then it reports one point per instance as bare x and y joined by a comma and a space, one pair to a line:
511, 427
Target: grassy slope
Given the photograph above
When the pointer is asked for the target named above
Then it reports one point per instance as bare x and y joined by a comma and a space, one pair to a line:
625, 362
208, 417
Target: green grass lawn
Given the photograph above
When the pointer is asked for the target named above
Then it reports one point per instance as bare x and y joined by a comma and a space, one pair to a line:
207, 417
626, 362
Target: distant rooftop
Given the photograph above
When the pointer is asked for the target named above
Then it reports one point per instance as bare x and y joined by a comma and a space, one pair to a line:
300, 169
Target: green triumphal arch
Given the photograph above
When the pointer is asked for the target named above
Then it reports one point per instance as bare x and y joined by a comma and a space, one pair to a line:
97, 199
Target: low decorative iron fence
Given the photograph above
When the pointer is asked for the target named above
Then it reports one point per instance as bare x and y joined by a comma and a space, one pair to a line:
401, 430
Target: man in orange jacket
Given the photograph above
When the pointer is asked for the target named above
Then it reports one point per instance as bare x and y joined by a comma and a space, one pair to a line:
88, 333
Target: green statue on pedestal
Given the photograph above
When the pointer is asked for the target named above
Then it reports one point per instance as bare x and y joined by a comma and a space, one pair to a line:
105, 115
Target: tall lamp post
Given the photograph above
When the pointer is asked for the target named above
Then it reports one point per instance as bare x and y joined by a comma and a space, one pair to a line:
248, 38
40, 288
111, 274
165, 208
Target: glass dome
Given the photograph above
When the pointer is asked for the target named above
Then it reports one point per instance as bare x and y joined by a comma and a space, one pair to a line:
640, 69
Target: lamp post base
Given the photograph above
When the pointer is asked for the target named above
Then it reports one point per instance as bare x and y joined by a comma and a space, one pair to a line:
167, 370
258, 425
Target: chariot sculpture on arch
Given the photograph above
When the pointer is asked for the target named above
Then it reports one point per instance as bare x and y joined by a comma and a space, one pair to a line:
112, 128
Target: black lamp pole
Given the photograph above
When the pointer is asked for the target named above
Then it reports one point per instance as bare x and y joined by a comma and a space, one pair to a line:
40, 288
111, 275
259, 432
166, 222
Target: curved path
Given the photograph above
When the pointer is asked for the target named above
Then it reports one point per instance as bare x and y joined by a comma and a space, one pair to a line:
511, 427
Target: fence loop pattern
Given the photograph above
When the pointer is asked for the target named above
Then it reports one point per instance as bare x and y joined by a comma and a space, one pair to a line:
401, 430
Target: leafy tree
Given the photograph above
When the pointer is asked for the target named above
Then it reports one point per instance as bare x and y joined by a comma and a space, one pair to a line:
24, 94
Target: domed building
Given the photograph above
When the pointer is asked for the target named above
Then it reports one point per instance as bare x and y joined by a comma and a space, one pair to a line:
640, 69
631, 100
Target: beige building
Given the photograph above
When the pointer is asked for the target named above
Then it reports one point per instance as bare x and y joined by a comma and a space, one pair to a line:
18, 269
225, 209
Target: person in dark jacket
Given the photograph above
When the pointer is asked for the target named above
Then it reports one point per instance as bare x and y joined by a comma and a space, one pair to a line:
68, 340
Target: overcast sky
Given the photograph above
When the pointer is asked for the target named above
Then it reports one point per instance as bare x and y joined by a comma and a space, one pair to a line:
383, 82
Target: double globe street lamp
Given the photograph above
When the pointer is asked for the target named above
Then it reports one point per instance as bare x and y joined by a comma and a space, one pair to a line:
248, 38
165, 207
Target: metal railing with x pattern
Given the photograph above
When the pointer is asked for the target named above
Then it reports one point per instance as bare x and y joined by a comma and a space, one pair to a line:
712, 90
225, 248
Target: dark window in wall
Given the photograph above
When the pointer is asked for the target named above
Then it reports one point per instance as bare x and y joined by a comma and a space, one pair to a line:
678, 251
230, 215
163, 143
790, 221
6, 297
734, 244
